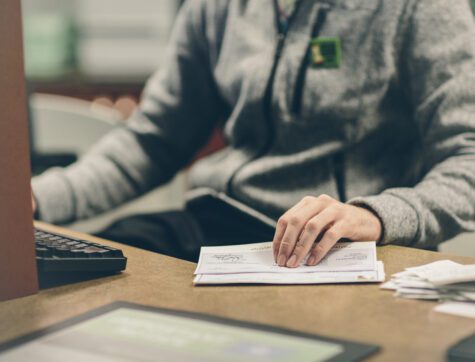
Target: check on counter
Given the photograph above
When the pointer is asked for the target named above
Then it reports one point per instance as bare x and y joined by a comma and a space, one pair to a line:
254, 263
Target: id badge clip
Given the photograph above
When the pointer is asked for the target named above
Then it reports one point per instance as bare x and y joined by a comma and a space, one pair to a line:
325, 52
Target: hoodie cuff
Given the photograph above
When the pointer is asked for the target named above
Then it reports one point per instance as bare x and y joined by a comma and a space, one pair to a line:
399, 220
54, 197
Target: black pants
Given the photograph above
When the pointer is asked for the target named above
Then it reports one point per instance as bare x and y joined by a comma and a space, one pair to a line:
181, 233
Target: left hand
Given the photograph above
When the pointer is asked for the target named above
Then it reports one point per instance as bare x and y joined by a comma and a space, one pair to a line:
315, 224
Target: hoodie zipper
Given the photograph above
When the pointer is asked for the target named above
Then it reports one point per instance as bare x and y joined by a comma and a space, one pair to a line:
267, 100
296, 106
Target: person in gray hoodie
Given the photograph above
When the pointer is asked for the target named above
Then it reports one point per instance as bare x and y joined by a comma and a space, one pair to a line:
344, 119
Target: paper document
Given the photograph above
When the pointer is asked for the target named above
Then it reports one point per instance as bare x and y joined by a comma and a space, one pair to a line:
442, 280
457, 308
295, 278
457, 274
258, 258
254, 264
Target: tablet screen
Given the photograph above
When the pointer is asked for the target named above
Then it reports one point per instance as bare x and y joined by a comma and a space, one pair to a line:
134, 334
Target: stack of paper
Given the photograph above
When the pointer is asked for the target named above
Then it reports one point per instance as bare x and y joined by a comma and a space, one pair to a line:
254, 264
443, 280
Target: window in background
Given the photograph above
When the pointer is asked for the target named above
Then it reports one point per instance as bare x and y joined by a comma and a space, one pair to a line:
49, 38
122, 37
106, 39
95, 50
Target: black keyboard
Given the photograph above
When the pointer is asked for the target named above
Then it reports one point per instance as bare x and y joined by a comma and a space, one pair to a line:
56, 254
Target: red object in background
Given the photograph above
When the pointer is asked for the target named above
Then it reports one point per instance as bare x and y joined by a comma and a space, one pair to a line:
215, 143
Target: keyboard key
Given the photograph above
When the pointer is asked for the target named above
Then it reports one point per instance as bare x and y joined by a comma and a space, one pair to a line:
63, 250
43, 252
113, 252
93, 251
54, 238
78, 253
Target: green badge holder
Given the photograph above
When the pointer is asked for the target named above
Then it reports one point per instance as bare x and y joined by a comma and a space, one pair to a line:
325, 52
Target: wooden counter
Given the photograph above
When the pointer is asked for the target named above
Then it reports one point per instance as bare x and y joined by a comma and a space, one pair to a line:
407, 330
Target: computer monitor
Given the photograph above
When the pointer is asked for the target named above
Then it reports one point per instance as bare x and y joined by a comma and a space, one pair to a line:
18, 275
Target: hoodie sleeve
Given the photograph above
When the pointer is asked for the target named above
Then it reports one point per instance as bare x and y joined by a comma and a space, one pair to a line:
438, 69
177, 113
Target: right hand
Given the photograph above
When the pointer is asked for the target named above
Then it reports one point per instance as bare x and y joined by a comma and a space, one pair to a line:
315, 224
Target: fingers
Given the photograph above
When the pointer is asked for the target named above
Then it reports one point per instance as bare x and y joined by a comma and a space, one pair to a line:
278, 235
329, 239
312, 230
291, 224
282, 226
289, 240
323, 218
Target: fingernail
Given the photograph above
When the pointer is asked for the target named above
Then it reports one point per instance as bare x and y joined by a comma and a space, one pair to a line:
292, 261
281, 261
312, 260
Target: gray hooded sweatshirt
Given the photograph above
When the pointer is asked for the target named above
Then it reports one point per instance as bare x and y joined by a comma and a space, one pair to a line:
391, 129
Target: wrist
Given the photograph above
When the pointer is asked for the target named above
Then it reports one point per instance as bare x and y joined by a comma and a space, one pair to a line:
373, 222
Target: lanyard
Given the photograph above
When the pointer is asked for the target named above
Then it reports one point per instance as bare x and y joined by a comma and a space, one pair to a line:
282, 20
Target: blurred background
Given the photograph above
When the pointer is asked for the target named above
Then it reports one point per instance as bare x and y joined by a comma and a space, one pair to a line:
86, 64
95, 50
